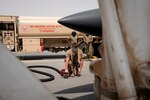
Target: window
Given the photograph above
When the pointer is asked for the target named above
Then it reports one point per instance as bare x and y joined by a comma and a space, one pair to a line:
6, 26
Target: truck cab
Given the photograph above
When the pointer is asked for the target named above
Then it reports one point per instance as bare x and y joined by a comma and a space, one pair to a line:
8, 31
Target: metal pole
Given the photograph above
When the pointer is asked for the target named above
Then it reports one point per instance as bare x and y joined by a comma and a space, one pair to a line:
115, 45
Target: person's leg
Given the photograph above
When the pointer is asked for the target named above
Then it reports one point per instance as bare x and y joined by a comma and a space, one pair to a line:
78, 70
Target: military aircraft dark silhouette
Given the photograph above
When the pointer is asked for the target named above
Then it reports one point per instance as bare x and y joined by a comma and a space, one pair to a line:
88, 22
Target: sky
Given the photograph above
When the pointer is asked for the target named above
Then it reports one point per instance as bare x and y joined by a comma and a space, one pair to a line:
45, 8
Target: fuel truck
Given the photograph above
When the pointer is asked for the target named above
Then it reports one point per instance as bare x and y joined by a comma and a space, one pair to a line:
35, 34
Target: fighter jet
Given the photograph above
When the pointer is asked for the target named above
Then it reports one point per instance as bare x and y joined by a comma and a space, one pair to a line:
88, 22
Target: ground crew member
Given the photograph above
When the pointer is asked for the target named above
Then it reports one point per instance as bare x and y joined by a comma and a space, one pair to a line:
74, 60
73, 38
89, 48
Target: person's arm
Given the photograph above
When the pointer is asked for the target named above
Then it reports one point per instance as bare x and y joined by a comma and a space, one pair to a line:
90, 39
81, 60
81, 65
67, 60
85, 38
66, 64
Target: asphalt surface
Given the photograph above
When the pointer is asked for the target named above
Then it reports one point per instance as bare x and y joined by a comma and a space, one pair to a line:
73, 88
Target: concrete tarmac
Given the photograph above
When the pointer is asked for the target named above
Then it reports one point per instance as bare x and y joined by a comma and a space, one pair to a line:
73, 88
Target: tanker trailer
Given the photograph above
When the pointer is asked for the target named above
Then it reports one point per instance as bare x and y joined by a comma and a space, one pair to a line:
36, 34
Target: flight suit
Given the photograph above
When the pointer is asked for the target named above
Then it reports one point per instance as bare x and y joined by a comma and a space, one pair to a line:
89, 48
74, 60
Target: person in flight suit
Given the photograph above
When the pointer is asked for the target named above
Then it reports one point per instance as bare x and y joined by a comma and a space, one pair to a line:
89, 48
74, 61
73, 38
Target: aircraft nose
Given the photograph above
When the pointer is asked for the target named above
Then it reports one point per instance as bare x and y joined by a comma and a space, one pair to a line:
62, 21
66, 21
88, 22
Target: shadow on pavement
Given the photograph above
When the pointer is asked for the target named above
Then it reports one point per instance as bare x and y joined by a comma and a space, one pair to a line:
79, 89
40, 57
86, 97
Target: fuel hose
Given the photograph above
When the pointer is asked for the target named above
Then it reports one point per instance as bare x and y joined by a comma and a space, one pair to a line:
50, 76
